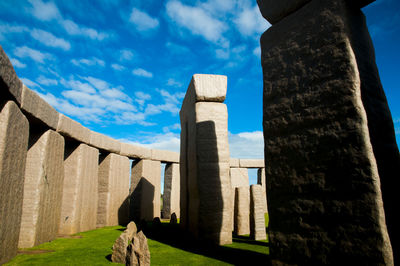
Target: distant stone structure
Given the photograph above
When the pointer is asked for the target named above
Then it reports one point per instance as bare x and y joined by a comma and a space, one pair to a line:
206, 193
330, 146
257, 214
242, 211
171, 196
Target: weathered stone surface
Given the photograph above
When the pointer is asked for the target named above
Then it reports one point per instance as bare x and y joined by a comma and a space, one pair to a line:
138, 251
262, 181
14, 132
44, 177
257, 218
172, 183
70, 128
131, 229
251, 163
120, 248
165, 156
105, 143
174, 219
207, 88
234, 162
33, 104
133, 151
321, 92
79, 203
242, 211
206, 192
145, 190
113, 189
9, 80
239, 177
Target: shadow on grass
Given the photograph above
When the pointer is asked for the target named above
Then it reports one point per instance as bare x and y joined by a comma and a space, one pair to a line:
235, 253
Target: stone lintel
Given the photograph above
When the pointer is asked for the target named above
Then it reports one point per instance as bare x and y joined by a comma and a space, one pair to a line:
251, 163
234, 162
9, 78
70, 128
164, 156
134, 151
104, 142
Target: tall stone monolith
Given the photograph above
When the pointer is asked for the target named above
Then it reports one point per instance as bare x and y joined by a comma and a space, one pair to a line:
262, 181
43, 188
206, 192
145, 191
239, 178
79, 205
330, 149
257, 218
14, 132
242, 211
172, 182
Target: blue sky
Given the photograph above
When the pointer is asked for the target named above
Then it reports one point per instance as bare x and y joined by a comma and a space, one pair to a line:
122, 68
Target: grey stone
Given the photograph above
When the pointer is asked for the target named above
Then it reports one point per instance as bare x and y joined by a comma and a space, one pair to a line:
9, 80
242, 211
120, 248
330, 142
262, 181
136, 152
239, 177
207, 88
164, 156
234, 163
174, 219
131, 229
70, 128
171, 196
138, 251
257, 218
105, 143
14, 132
44, 177
251, 163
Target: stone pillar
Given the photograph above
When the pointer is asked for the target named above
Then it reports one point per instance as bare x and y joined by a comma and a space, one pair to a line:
239, 178
330, 147
145, 190
242, 211
257, 218
14, 132
79, 204
262, 181
206, 192
113, 190
43, 188
171, 191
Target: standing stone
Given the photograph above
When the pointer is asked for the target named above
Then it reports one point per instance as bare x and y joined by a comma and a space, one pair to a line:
145, 190
43, 188
14, 132
262, 181
329, 137
120, 248
257, 218
242, 211
113, 190
138, 251
239, 178
171, 197
206, 192
79, 204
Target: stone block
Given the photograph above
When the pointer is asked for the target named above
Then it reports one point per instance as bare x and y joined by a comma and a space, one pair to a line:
262, 181
34, 105
9, 80
104, 142
14, 134
208, 88
251, 163
171, 197
234, 162
257, 218
133, 151
70, 128
242, 211
113, 191
164, 156
43, 188
145, 190
239, 177
79, 204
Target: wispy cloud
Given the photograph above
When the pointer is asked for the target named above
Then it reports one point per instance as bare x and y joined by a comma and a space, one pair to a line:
44, 11
46, 81
94, 61
73, 28
29, 83
126, 55
16, 63
142, 97
246, 145
118, 67
250, 21
35, 55
171, 103
174, 83
143, 21
49, 39
142, 73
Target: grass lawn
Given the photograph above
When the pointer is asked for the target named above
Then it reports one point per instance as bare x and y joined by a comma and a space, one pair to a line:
168, 246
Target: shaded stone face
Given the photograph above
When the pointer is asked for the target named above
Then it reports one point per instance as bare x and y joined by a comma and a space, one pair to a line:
171, 191
321, 92
14, 132
242, 211
9, 80
257, 218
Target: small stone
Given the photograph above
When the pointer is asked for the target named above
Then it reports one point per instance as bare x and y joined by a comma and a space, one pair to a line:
120, 248
138, 251
173, 219
131, 229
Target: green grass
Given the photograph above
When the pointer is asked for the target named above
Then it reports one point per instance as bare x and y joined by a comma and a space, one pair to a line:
167, 243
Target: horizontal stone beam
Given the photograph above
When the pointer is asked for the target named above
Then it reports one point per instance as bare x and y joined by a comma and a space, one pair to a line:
104, 142
234, 163
164, 156
70, 128
251, 163
134, 151
9, 78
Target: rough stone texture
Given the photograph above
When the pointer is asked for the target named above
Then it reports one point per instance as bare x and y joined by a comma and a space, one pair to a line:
172, 183
70, 128
113, 191
276, 10
9, 80
131, 229
79, 204
14, 132
251, 163
33, 104
206, 192
105, 143
262, 181
242, 211
208, 88
234, 162
120, 248
133, 151
239, 177
145, 190
321, 92
138, 251
165, 156
43, 188
257, 218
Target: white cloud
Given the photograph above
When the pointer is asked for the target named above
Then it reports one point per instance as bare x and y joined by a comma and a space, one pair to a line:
46, 81
250, 21
172, 82
142, 73
98, 83
94, 61
49, 39
78, 85
142, 97
143, 21
127, 118
171, 128
16, 63
171, 104
6, 28
74, 29
197, 20
257, 51
126, 55
29, 83
44, 11
35, 55
165, 141
246, 145
117, 67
